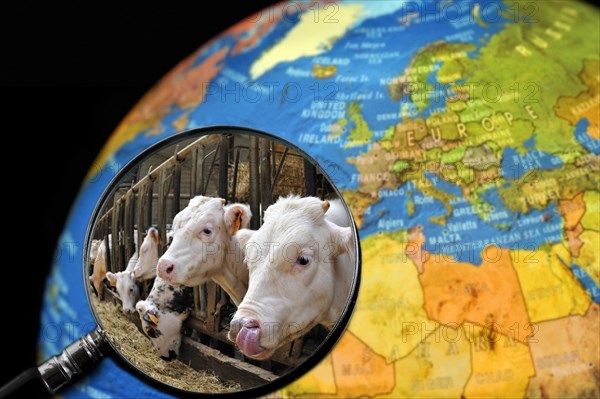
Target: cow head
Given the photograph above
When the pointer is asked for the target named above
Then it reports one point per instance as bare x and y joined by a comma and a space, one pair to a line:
145, 268
202, 233
94, 251
292, 260
126, 288
163, 328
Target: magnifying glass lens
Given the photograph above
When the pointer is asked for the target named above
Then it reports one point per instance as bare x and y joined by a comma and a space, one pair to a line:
222, 261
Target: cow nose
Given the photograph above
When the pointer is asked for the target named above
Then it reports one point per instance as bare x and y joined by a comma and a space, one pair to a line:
237, 323
165, 267
172, 356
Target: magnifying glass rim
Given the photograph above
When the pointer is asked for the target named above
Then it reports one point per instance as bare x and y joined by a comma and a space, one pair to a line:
322, 349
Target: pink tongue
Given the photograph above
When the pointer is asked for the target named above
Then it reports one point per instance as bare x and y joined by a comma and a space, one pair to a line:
248, 341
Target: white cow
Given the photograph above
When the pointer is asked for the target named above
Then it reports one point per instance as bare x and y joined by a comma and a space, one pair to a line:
205, 246
301, 268
97, 259
94, 251
99, 265
127, 289
145, 268
162, 315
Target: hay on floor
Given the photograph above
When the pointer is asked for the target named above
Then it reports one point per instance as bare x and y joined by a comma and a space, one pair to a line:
138, 349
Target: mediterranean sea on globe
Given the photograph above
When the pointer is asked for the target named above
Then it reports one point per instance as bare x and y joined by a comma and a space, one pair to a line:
465, 138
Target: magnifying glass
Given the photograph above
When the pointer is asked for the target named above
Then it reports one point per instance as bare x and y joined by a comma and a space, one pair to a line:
220, 260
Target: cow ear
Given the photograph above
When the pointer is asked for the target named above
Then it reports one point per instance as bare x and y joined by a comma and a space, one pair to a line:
341, 239
154, 235
112, 279
237, 216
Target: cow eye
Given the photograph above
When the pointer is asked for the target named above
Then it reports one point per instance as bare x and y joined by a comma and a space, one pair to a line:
303, 260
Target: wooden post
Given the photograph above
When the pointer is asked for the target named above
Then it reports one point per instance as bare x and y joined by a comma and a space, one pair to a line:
115, 261
175, 206
223, 167
254, 183
194, 173
149, 202
201, 157
140, 212
265, 175
128, 226
310, 173
162, 205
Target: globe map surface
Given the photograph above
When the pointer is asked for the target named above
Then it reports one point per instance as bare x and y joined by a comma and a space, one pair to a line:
465, 138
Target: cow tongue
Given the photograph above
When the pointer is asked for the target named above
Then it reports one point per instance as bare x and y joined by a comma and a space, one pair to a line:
248, 341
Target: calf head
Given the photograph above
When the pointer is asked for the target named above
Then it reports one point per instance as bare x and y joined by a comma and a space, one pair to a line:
202, 233
145, 268
292, 261
126, 288
162, 327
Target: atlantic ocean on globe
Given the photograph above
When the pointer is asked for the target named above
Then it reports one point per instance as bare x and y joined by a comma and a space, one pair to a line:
465, 138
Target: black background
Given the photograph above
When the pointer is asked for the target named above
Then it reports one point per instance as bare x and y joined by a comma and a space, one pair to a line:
68, 75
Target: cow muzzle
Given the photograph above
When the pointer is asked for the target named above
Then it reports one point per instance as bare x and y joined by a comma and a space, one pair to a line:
172, 356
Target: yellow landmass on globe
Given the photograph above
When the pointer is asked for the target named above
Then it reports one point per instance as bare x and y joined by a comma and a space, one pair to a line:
320, 380
566, 357
591, 217
501, 365
389, 316
311, 36
488, 294
358, 202
549, 287
589, 255
438, 367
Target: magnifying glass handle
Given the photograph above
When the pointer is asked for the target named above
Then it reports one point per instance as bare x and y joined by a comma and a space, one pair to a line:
75, 360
